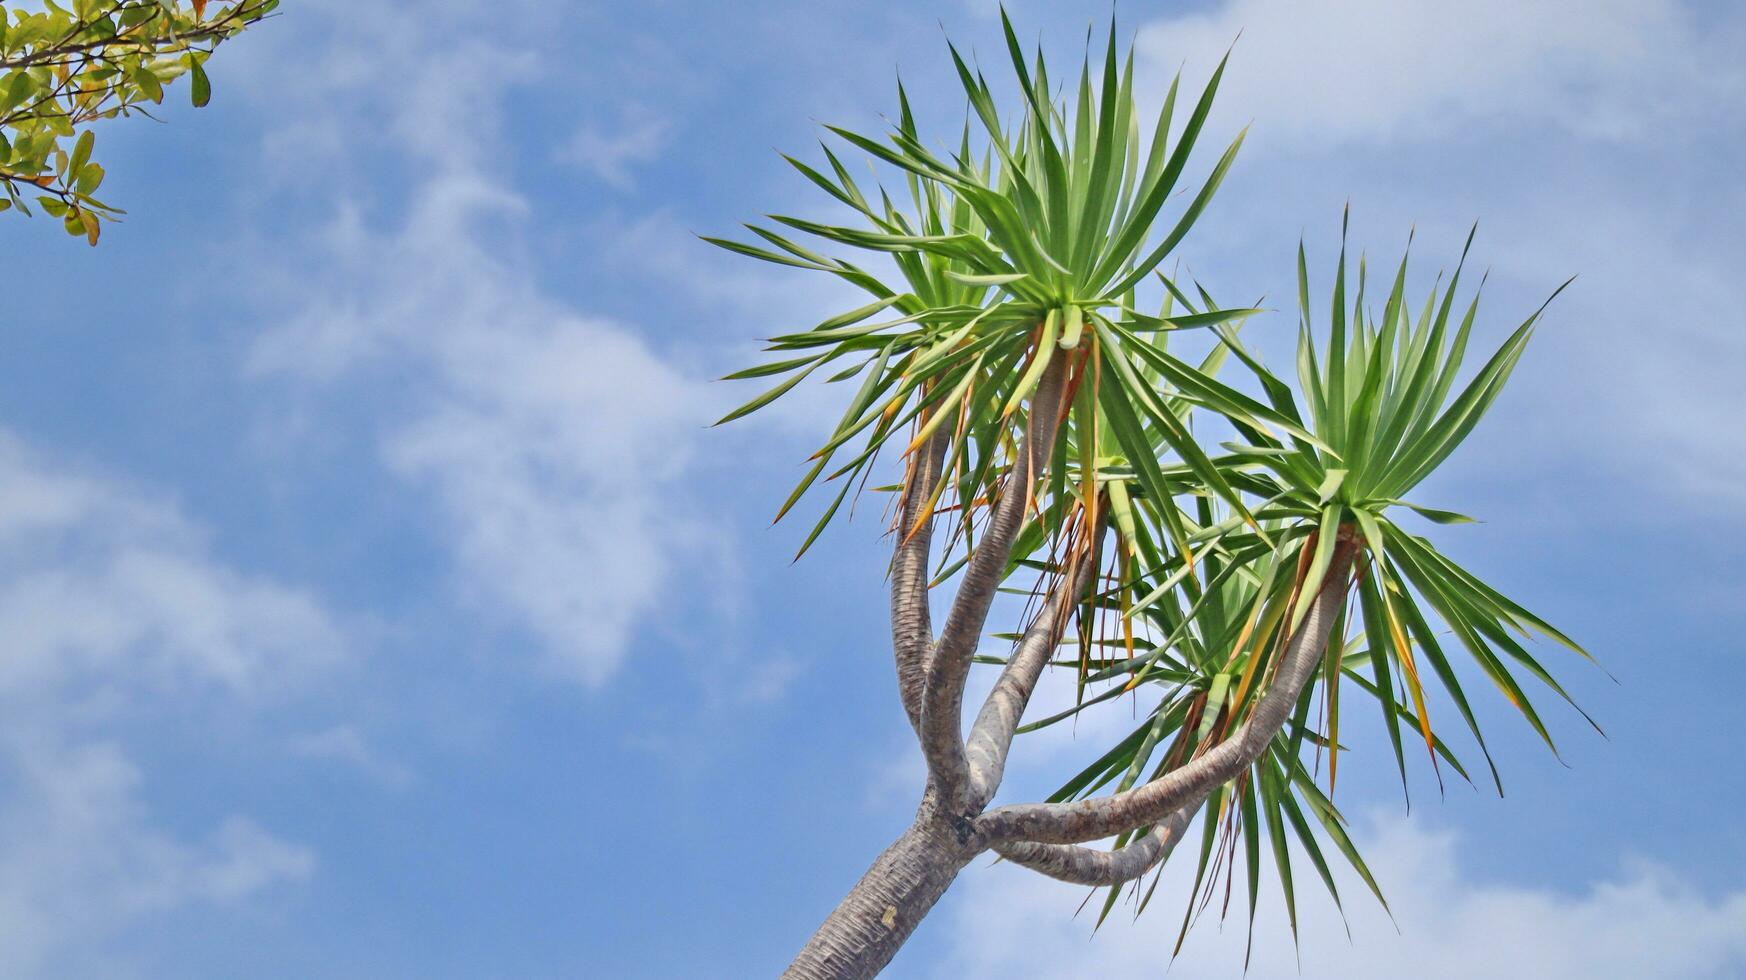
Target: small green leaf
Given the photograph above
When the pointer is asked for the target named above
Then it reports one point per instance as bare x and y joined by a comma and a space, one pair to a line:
767, 397
1437, 516
148, 83
18, 89
81, 153
1330, 486
775, 367
90, 178
201, 86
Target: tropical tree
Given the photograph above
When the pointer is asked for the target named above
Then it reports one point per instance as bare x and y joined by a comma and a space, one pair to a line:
62, 70
1047, 429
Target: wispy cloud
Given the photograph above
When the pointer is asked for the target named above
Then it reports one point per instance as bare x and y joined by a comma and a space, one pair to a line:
106, 581
1328, 73
114, 609
1585, 137
554, 442
1642, 921
347, 745
83, 861
612, 152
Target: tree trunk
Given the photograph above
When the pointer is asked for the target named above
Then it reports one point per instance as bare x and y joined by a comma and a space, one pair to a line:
886, 905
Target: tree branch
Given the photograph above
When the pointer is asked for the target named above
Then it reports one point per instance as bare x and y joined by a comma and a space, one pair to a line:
1087, 866
912, 631
942, 721
991, 736
218, 31
1087, 820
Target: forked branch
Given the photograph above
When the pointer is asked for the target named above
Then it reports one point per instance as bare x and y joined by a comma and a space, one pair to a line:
1088, 820
1088, 866
943, 701
991, 737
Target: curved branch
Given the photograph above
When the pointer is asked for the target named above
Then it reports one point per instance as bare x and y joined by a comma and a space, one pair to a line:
912, 631
1087, 820
991, 736
1087, 866
942, 720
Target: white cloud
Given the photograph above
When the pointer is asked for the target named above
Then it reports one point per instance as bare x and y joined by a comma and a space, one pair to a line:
103, 581
1674, 351
1640, 922
410, 77
115, 611
81, 859
759, 683
1584, 138
347, 745
611, 153
554, 442
1382, 69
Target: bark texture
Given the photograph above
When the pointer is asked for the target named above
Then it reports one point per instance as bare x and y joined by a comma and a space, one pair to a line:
872, 923
991, 737
1087, 866
912, 631
942, 721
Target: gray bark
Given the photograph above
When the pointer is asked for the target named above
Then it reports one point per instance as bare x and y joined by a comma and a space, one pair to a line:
912, 631
879, 913
991, 736
942, 721
1085, 866
889, 901
1087, 820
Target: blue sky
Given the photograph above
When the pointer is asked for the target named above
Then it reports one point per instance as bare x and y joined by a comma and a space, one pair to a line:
379, 604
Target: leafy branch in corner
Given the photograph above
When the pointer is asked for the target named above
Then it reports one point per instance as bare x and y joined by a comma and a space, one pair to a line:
64, 70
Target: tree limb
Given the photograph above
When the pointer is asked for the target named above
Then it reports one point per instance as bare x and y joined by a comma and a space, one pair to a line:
1088, 866
942, 721
912, 631
217, 30
991, 736
1087, 820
